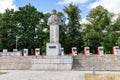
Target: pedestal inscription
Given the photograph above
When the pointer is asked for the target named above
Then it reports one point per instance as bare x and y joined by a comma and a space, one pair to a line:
53, 49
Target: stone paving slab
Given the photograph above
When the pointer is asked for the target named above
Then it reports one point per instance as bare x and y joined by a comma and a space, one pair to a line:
41, 75
48, 75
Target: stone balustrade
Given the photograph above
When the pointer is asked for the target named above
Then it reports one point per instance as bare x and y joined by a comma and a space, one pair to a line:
17, 53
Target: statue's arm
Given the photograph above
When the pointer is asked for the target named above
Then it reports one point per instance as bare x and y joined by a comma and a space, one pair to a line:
54, 20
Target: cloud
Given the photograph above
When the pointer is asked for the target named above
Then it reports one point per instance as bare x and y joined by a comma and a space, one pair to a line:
110, 5
7, 4
84, 21
72, 1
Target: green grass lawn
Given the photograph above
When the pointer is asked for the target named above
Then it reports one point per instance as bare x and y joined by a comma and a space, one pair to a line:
102, 77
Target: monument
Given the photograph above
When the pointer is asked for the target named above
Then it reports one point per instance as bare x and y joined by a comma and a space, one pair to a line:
54, 47
52, 60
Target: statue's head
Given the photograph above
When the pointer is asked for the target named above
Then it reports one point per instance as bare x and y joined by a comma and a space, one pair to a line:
53, 11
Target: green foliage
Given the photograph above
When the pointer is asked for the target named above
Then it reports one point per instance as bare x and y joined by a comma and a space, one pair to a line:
92, 39
99, 30
116, 29
28, 19
0, 34
117, 23
73, 35
99, 18
109, 40
73, 13
8, 30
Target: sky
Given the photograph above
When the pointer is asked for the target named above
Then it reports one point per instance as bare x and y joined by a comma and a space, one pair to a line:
47, 5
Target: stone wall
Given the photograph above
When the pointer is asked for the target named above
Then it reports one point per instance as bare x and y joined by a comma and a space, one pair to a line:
80, 62
106, 62
15, 63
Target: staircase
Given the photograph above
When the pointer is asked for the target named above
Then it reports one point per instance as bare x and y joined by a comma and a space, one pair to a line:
101, 63
80, 63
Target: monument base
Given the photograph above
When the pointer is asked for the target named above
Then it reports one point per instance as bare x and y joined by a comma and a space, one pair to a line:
53, 49
52, 63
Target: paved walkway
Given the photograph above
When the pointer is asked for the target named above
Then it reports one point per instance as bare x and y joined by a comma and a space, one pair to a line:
42, 75
47, 75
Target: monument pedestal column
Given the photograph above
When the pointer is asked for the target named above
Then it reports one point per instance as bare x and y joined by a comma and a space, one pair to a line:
53, 49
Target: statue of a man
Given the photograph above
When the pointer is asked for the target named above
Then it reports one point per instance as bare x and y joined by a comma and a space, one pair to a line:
54, 22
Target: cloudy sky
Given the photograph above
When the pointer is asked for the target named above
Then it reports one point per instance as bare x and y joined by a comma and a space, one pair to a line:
48, 5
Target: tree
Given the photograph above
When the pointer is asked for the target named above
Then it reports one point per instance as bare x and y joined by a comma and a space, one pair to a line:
99, 18
109, 40
0, 20
28, 20
116, 28
1, 45
117, 23
8, 30
92, 39
73, 36
99, 24
43, 32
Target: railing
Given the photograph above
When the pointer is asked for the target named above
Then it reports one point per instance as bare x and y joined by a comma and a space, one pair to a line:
18, 53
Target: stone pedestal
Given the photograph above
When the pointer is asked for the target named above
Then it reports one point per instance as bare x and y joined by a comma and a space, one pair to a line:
60, 63
53, 49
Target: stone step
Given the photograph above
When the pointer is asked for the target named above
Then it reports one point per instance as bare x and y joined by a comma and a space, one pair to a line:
106, 62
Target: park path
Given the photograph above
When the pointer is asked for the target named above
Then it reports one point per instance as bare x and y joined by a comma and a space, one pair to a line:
47, 75
41, 75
